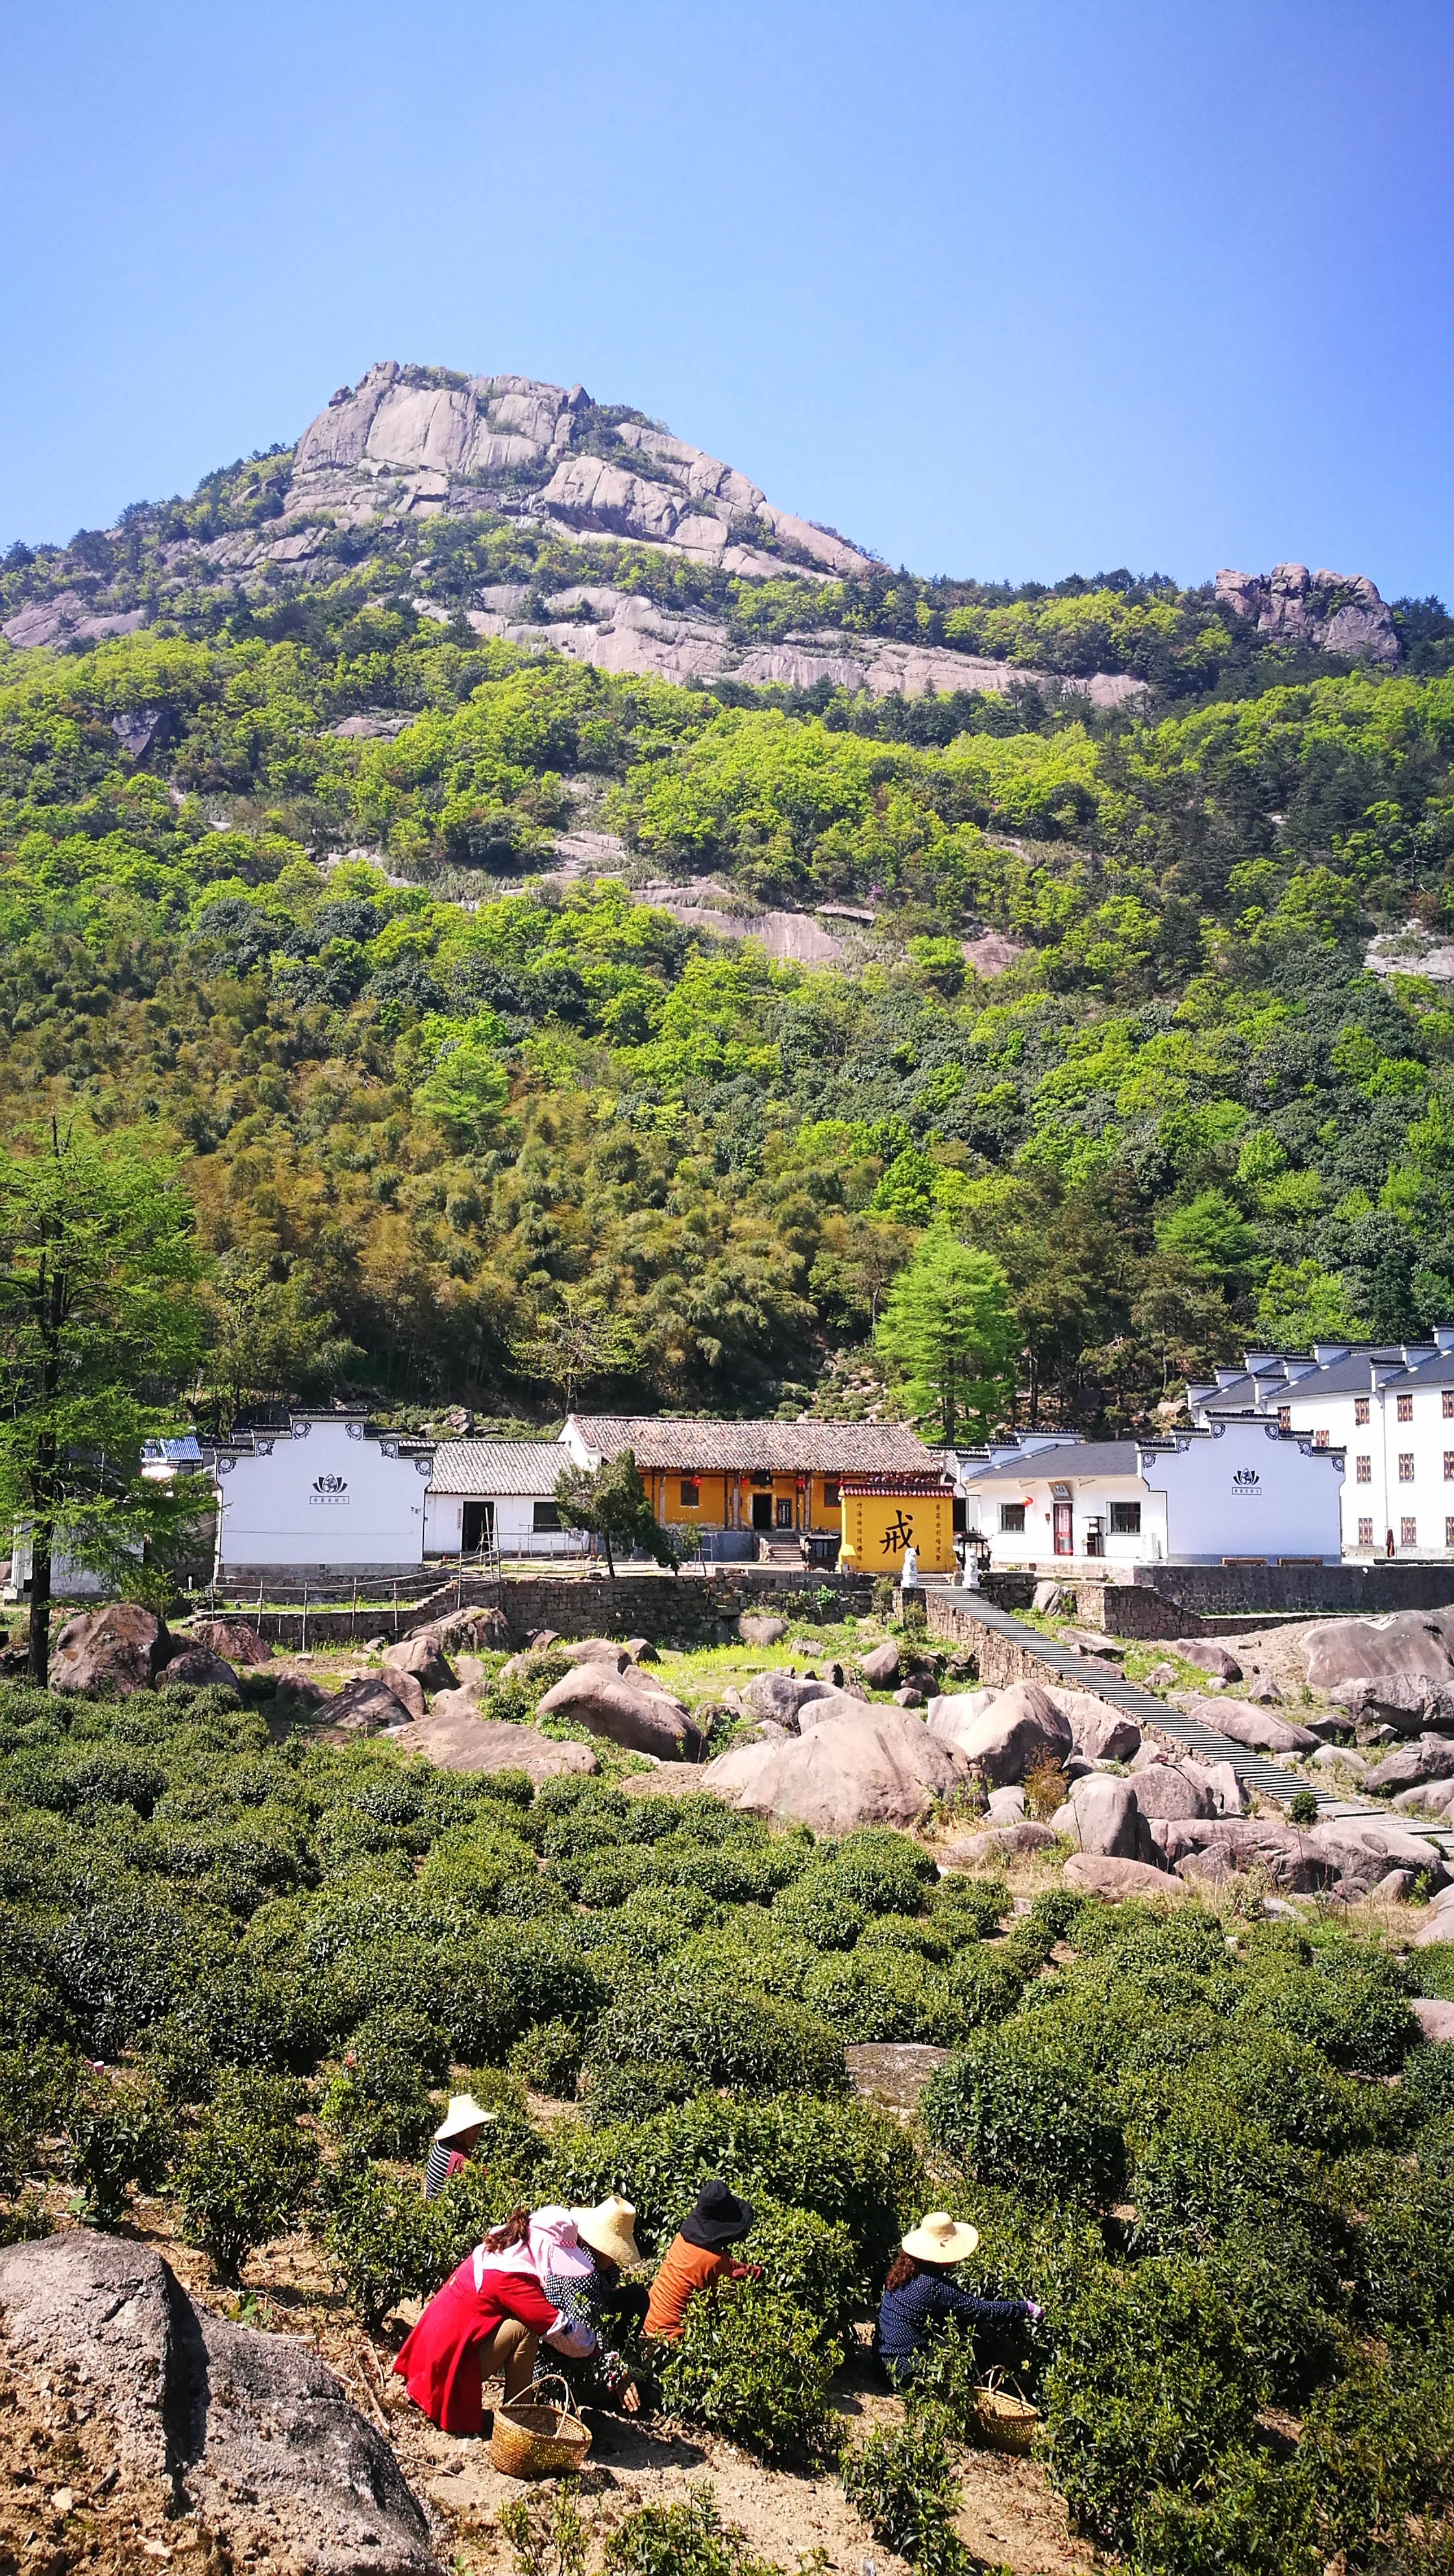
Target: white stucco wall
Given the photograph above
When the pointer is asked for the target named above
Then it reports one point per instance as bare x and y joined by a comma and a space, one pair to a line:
322, 1495
1091, 1499
1248, 1492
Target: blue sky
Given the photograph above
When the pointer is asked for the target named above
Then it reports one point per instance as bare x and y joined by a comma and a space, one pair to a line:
997, 289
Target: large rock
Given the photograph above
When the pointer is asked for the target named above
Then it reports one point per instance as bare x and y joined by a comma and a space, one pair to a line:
874, 1766
1211, 1656
1165, 1791
1103, 1816
235, 1640
1226, 1848
1435, 2017
623, 1708
829, 1702
1399, 1667
880, 1666
199, 1668
782, 1695
1103, 1874
1334, 612
1256, 1728
598, 1650
375, 1700
1430, 1758
1364, 1852
1023, 1727
119, 1649
454, 1738
423, 1656
1097, 1730
1016, 1840
1006, 1806
250, 2432
757, 1628
893, 2071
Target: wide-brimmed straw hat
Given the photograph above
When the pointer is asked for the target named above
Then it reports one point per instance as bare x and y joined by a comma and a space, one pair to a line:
941, 2239
609, 2229
464, 2114
719, 2217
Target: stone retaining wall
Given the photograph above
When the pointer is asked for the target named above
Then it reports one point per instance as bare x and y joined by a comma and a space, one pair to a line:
683, 1610
998, 1660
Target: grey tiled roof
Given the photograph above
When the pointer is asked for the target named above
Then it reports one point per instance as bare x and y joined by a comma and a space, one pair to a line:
498, 1467
1083, 1458
711, 1448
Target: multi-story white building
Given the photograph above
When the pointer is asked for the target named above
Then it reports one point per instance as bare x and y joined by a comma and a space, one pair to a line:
1388, 1406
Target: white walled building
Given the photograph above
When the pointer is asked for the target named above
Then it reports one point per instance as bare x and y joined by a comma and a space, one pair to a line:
500, 1494
1388, 1406
1242, 1489
321, 1497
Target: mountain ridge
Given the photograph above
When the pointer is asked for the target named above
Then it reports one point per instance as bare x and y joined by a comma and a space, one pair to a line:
624, 546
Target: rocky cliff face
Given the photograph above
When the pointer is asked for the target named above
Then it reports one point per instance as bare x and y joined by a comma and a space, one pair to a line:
413, 440
1334, 612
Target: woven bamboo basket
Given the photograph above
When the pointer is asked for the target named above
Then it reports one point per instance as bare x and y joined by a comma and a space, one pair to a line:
529, 2440
1006, 2423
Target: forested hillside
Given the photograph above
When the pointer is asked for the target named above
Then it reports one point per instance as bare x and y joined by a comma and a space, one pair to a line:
450, 1142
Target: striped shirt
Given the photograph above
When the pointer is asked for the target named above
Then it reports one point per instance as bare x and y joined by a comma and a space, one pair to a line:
443, 2161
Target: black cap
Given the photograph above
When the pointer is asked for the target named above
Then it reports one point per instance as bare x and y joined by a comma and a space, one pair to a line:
719, 2218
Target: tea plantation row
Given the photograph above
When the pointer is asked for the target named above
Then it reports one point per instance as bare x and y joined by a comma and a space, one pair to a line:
1222, 2157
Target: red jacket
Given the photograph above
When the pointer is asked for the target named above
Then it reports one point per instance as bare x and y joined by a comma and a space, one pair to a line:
439, 2363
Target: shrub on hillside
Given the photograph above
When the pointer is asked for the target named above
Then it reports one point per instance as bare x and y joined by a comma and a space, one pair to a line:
1401, 2242
379, 2095
1208, 2170
116, 2135
846, 2159
979, 1905
475, 1862
1014, 2108
247, 2172
883, 1871
903, 2481
818, 1907
806, 2258
747, 2041
753, 2367
377, 2235
1350, 2001
685, 2539
882, 1996
637, 2088
548, 2056
1428, 2078
1148, 2390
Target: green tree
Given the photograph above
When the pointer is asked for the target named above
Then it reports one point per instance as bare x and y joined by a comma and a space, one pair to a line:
946, 1324
574, 1341
98, 1313
269, 1335
610, 1502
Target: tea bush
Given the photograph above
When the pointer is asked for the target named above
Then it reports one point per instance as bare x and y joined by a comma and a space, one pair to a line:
686, 2539
751, 2365
808, 2259
221, 1917
1014, 2108
248, 2169
376, 2233
116, 2135
751, 2042
548, 2055
903, 2481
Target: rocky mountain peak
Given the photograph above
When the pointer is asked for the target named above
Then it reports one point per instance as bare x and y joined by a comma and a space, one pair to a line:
1334, 612
408, 441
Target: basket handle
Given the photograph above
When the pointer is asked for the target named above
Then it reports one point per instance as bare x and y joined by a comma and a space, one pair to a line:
553, 2379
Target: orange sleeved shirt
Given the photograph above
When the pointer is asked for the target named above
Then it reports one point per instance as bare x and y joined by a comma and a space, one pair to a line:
685, 2269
